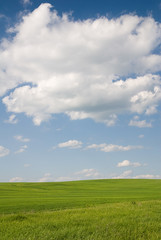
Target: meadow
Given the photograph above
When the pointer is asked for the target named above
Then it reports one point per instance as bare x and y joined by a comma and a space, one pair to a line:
81, 210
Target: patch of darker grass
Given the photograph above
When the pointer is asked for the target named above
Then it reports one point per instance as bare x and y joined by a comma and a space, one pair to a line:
17, 217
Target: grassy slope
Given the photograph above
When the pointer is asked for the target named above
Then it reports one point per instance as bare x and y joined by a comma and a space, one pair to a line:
15, 197
88, 210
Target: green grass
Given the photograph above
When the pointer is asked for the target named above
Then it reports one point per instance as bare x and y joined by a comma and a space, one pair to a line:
81, 210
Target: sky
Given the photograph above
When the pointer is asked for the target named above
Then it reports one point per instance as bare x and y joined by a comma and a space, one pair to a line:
80, 90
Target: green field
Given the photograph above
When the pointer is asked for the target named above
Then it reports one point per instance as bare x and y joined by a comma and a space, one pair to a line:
81, 210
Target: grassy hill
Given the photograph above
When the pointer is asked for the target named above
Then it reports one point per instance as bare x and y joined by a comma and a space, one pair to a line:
15, 197
94, 210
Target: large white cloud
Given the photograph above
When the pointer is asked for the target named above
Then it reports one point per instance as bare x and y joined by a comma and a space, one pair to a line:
57, 64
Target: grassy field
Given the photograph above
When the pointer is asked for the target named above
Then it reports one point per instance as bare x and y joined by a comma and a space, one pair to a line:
81, 210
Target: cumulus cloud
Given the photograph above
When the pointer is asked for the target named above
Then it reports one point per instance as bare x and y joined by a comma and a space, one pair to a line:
70, 144
16, 179
21, 138
12, 119
127, 163
55, 64
4, 151
22, 149
112, 148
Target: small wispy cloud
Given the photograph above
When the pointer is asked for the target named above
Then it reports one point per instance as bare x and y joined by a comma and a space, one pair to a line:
72, 144
151, 110
135, 122
3, 16
147, 176
127, 163
46, 178
125, 174
26, 165
16, 179
141, 136
21, 150
21, 138
111, 121
65, 179
12, 119
88, 173
26, 2
4, 151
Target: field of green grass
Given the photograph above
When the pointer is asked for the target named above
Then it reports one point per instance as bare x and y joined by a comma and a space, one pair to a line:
81, 210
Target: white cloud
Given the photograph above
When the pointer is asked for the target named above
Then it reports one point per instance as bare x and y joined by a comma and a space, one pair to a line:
2, 16
12, 119
16, 179
151, 110
70, 144
46, 178
26, 165
25, 2
136, 117
139, 123
111, 121
22, 149
74, 144
4, 151
125, 174
112, 148
141, 136
81, 175
127, 163
148, 176
56, 65
21, 138
88, 173
65, 179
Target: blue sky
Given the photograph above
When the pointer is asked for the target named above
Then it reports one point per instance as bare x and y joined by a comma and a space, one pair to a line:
80, 90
